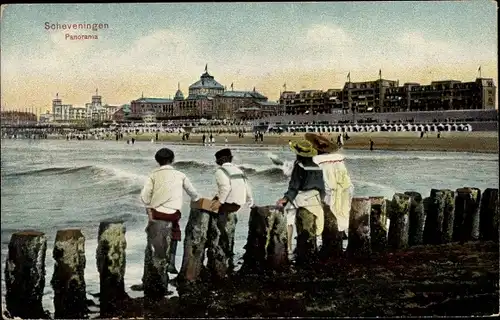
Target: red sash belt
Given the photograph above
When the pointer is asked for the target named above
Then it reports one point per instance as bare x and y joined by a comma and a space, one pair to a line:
174, 218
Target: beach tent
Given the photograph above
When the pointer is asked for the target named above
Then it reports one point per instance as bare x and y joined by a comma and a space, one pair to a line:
448, 127
461, 127
469, 127
454, 127
344, 128
377, 128
427, 128
349, 128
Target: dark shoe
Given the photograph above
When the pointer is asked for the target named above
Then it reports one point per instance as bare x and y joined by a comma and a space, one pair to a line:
171, 266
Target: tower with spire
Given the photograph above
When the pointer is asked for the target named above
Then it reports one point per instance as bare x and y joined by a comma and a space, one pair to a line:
178, 94
97, 99
56, 105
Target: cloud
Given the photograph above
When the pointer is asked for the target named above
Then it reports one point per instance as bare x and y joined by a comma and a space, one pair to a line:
321, 34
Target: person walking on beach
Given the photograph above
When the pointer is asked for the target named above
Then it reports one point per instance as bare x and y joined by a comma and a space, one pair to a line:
211, 139
371, 145
163, 197
203, 139
306, 190
338, 193
133, 140
233, 191
225, 141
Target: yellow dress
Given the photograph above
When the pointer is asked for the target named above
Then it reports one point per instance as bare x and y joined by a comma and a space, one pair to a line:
338, 186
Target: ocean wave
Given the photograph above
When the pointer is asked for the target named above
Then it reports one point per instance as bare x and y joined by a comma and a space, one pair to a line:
182, 165
48, 171
248, 169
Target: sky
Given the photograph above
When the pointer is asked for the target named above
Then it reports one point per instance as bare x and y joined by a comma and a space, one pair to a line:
150, 48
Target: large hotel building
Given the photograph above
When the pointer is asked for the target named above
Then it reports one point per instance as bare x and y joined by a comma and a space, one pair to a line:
207, 98
388, 96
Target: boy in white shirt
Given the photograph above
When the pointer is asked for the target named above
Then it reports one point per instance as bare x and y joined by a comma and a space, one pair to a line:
233, 191
163, 196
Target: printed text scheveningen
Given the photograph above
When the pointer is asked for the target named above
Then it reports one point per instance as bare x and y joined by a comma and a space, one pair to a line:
76, 26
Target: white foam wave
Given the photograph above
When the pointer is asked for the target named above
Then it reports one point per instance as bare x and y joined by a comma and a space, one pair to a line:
114, 173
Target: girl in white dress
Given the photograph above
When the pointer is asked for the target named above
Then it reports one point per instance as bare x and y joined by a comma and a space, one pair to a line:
338, 185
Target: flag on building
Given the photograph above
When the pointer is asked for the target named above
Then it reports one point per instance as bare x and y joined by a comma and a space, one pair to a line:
380, 73
479, 69
232, 86
349, 76
206, 67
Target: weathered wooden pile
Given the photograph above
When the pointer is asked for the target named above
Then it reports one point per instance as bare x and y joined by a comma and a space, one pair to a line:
445, 216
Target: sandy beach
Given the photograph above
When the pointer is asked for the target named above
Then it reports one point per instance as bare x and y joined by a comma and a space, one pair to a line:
486, 142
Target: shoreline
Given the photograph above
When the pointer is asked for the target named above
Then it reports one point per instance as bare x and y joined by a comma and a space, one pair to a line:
473, 142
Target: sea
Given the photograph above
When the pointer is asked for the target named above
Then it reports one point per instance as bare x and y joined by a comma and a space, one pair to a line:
48, 185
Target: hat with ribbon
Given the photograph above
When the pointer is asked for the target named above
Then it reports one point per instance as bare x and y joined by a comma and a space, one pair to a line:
320, 143
303, 148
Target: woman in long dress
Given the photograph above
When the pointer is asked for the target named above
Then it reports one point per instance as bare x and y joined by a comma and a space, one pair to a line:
338, 189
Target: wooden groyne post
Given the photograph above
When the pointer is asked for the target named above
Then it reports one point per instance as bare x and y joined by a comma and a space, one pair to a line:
331, 238
194, 245
220, 253
25, 275
266, 249
378, 224
359, 240
156, 259
467, 204
489, 215
307, 248
440, 217
111, 266
68, 282
417, 219
400, 221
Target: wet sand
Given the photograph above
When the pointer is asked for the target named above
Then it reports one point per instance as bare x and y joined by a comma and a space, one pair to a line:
486, 142
444, 280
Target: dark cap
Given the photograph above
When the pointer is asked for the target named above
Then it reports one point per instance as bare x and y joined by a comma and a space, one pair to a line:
164, 155
223, 153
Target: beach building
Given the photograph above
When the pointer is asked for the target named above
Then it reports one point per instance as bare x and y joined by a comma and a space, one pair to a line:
243, 104
122, 113
383, 96
442, 96
162, 108
199, 102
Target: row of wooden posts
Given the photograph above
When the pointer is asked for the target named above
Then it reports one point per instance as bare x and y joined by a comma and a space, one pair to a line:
444, 216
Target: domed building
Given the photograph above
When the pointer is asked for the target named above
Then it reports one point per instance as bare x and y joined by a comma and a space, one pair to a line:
206, 86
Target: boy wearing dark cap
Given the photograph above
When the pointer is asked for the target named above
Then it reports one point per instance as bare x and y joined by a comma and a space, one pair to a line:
163, 196
233, 191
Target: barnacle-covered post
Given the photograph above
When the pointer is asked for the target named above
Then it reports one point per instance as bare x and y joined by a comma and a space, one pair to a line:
489, 215
400, 221
68, 282
25, 275
359, 240
111, 266
466, 226
378, 224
